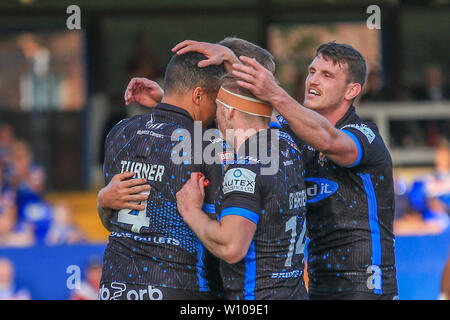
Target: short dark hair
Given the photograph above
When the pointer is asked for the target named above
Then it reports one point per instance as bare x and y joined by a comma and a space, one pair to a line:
183, 74
344, 53
242, 47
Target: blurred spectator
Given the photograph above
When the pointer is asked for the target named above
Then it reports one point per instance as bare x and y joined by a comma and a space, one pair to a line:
143, 62
445, 281
373, 88
89, 288
433, 89
7, 139
401, 196
62, 229
28, 180
39, 88
429, 197
7, 206
8, 288
9, 236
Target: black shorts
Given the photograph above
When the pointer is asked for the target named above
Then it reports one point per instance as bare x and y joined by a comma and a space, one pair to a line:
351, 296
126, 291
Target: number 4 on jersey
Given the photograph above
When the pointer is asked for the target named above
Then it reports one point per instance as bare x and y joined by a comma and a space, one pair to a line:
136, 219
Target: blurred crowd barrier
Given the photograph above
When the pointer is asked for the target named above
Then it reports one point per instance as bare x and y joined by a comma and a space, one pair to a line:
422, 196
52, 243
44, 272
73, 272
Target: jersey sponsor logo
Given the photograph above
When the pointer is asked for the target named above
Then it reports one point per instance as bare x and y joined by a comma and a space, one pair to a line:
152, 172
154, 126
216, 140
156, 240
370, 135
297, 199
318, 189
286, 275
151, 133
239, 179
226, 156
118, 289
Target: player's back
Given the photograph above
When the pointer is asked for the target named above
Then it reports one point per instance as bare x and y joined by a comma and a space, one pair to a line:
154, 246
275, 202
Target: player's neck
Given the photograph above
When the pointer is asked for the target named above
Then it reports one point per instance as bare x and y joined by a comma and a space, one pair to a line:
335, 114
183, 102
243, 131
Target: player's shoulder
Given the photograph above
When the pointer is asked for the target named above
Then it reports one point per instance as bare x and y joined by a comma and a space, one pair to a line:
116, 128
373, 148
366, 128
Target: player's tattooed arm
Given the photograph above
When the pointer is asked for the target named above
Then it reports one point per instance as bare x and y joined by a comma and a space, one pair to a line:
229, 238
122, 192
143, 91
215, 53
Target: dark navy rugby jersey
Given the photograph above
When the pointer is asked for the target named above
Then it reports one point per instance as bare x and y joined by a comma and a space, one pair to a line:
275, 201
350, 214
155, 246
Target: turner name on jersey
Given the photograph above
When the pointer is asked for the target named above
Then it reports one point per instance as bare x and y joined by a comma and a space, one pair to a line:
151, 172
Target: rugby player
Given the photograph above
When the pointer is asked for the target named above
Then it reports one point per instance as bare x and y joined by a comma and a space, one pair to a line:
151, 253
121, 193
348, 174
260, 234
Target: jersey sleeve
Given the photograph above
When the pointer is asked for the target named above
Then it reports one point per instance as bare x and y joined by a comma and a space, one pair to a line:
213, 173
243, 192
371, 148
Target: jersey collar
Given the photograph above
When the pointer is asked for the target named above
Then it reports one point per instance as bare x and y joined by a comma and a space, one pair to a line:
172, 108
351, 112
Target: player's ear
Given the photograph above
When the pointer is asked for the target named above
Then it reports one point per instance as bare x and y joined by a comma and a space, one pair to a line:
353, 90
197, 95
229, 113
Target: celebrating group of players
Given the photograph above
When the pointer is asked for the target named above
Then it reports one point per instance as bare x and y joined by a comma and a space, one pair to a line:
243, 234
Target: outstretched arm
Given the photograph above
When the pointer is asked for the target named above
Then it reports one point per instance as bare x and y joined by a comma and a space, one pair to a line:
307, 124
229, 238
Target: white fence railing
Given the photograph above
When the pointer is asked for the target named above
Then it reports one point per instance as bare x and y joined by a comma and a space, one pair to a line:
383, 113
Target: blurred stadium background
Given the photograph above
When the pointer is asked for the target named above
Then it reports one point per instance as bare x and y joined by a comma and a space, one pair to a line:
62, 90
